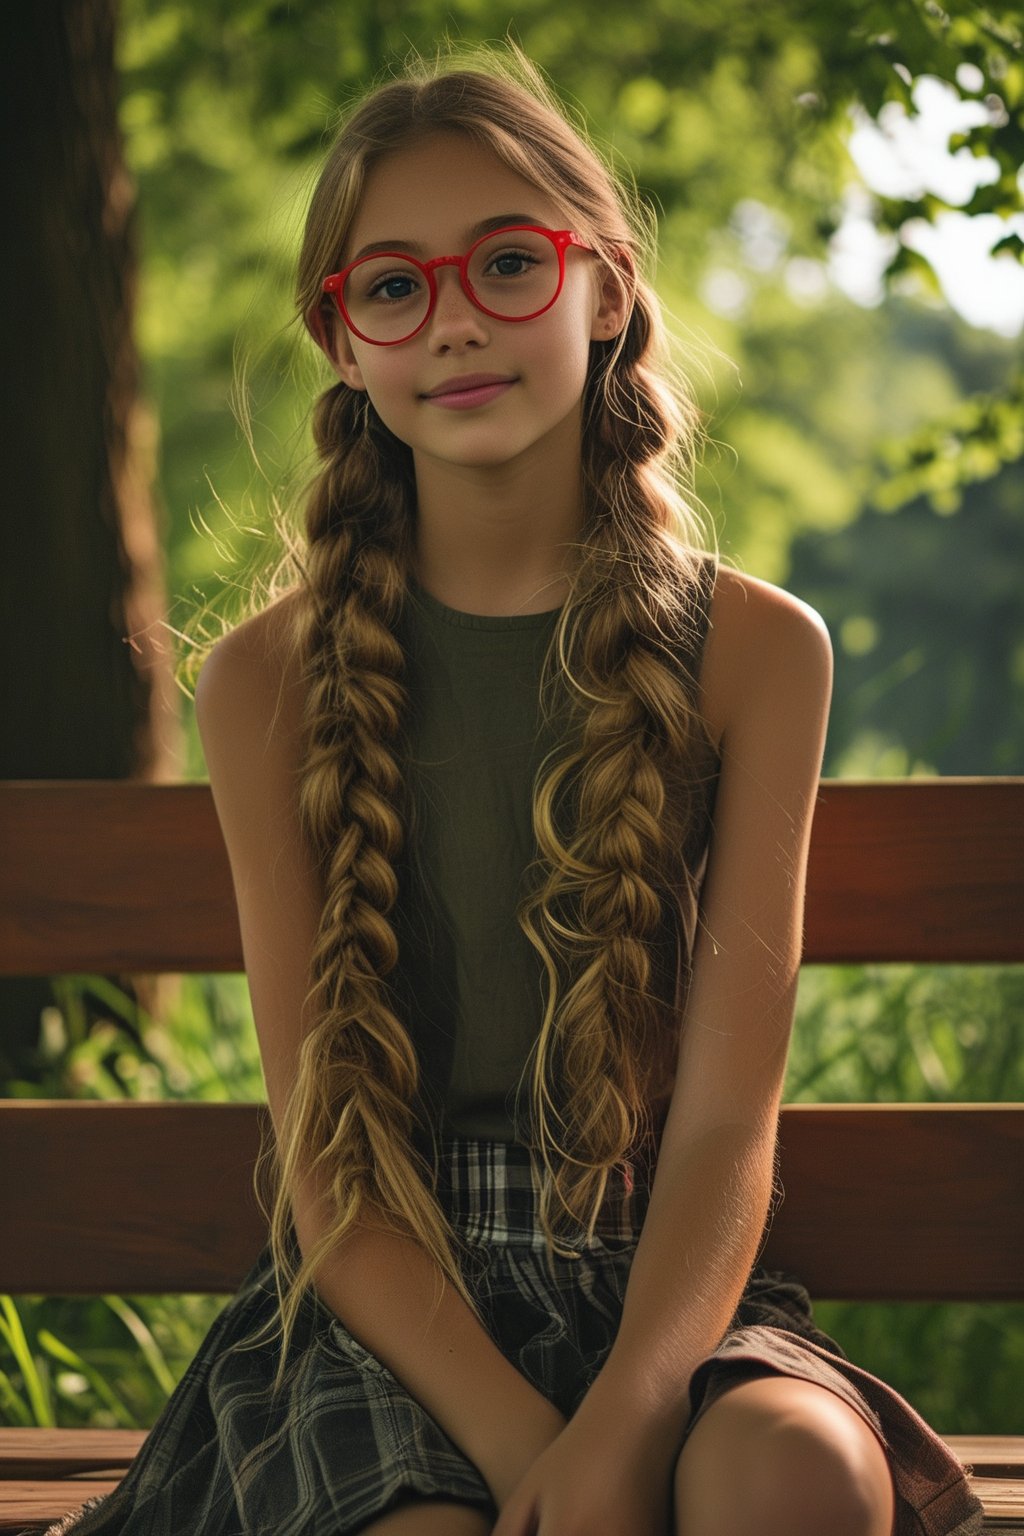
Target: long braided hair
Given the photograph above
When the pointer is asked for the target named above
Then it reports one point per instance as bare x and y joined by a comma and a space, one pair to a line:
614, 806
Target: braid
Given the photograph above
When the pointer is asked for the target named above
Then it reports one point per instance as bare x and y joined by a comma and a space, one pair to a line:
612, 816
350, 1119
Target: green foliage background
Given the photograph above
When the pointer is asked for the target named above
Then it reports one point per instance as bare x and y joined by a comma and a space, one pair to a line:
866, 457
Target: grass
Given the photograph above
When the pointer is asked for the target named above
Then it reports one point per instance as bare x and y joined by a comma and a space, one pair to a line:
874, 1033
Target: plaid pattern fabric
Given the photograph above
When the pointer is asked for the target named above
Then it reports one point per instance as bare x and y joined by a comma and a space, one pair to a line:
489, 1189
344, 1442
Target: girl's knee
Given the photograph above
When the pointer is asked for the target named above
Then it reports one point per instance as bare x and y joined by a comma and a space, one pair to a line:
778, 1455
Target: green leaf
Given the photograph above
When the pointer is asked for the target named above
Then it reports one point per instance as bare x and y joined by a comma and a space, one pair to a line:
1010, 245
141, 1333
67, 1356
35, 1386
14, 1406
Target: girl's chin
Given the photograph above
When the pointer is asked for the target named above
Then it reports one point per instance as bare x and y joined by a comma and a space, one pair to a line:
493, 456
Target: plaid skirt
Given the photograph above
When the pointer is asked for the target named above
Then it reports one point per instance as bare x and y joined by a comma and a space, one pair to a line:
344, 1442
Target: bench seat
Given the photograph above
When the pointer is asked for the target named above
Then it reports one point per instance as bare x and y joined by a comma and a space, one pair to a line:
46, 1472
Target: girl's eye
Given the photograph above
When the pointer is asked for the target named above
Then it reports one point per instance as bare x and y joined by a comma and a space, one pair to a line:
392, 287
510, 264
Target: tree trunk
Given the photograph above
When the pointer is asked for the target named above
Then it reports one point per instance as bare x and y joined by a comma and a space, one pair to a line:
87, 684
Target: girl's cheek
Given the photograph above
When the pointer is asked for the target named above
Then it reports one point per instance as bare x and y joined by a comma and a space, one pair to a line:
388, 402
376, 389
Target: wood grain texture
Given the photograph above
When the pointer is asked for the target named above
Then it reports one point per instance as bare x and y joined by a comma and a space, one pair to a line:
38, 1466
902, 1201
881, 1201
120, 877
33, 1505
917, 870
128, 1197
37, 1453
114, 877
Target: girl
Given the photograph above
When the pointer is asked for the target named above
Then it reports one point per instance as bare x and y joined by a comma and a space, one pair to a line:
516, 783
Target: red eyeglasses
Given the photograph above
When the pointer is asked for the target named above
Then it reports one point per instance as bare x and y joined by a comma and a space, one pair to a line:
515, 273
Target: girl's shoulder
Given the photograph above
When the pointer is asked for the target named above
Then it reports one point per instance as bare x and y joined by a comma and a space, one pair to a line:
759, 637
250, 678
264, 637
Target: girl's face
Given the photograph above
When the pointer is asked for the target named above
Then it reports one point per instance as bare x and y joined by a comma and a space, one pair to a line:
430, 199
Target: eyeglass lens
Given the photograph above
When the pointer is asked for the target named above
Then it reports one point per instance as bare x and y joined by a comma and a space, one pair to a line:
514, 274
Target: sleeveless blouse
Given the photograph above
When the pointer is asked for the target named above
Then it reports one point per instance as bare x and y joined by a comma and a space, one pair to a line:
468, 983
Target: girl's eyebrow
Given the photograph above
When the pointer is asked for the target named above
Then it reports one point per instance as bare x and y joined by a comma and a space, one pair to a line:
483, 228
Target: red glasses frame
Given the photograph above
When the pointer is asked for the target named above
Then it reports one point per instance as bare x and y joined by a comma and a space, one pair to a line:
561, 239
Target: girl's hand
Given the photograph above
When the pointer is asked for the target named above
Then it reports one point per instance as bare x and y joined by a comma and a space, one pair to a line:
595, 1479
534, 1433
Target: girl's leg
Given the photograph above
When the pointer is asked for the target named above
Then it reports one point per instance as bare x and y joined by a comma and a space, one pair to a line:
429, 1517
778, 1456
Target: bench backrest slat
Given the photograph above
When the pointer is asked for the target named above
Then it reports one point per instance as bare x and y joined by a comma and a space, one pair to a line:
113, 877
158, 1198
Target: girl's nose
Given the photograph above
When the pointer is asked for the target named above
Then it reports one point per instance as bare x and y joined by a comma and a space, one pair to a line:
456, 320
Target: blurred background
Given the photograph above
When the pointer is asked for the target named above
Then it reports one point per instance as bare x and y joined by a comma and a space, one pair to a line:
839, 202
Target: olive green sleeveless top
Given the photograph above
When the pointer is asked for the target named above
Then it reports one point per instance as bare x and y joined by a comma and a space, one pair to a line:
468, 983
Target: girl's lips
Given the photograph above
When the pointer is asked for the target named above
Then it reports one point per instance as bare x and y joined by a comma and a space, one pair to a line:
465, 399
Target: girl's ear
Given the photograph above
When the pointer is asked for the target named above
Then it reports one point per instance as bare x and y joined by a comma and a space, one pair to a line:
331, 336
615, 296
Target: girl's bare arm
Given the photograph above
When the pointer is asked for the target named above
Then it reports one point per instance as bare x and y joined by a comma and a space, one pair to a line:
383, 1287
767, 684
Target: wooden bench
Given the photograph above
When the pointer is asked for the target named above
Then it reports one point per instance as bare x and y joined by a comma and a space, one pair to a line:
881, 1201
